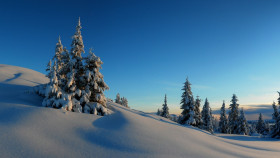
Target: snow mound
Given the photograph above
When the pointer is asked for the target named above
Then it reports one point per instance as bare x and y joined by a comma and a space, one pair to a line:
27, 130
21, 76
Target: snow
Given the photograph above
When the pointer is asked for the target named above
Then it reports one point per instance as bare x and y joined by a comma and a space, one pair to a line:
29, 130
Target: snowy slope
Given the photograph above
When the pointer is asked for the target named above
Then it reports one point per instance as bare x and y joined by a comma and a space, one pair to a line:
27, 130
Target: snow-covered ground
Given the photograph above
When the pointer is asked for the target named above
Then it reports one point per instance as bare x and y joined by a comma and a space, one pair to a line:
29, 130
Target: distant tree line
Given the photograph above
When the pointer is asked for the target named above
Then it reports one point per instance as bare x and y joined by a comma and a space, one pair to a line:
233, 123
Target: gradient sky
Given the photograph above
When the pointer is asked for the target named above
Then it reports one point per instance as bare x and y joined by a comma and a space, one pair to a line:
150, 47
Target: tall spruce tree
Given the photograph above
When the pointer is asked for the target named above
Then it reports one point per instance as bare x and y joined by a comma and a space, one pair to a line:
165, 109
260, 127
74, 75
243, 127
223, 124
207, 119
275, 131
214, 121
197, 112
233, 117
187, 104
77, 60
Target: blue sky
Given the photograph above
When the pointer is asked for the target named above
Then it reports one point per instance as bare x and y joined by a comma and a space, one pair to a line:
150, 47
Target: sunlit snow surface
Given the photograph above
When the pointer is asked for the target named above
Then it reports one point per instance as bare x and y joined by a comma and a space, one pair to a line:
29, 130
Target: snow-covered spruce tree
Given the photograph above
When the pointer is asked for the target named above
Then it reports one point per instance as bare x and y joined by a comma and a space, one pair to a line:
187, 115
165, 109
118, 99
77, 66
75, 77
233, 117
206, 117
197, 113
215, 122
58, 54
53, 92
70, 90
49, 69
275, 131
125, 103
260, 127
243, 127
95, 87
223, 124
66, 67
159, 112
203, 112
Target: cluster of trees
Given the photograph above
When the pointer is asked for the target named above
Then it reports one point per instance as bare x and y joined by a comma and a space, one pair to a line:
239, 125
76, 83
233, 123
236, 122
191, 113
123, 101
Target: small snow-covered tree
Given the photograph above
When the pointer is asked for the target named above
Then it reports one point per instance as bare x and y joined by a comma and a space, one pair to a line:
206, 117
275, 131
223, 124
118, 99
66, 67
49, 69
124, 102
165, 109
53, 92
233, 117
58, 54
243, 127
215, 122
159, 112
260, 127
197, 115
187, 115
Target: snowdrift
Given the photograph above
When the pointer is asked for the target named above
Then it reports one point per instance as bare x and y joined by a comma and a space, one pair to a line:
29, 130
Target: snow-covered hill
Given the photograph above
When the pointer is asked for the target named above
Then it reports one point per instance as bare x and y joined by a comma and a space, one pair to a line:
28, 130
